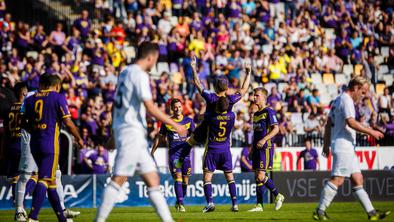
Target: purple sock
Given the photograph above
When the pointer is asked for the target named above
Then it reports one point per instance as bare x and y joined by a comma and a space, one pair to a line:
30, 185
53, 198
233, 191
208, 192
271, 186
184, 188
259, 191
178, 192
38, 198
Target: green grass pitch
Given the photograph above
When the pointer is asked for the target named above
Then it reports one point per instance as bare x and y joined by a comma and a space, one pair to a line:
290, 212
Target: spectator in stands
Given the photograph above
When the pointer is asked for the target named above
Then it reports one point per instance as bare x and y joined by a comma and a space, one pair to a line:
310, 156
274, 98
238, 133
385, 102
312, 125
314, 101
83, 24
245, 162
98, 160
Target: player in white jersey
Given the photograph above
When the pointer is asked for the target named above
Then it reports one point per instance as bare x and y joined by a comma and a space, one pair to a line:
340, 134
132, 99
28, 177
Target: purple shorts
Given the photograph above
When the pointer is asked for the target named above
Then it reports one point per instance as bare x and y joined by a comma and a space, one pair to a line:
186, 168
218, 161
47, 164
263, 159
13, 165
200, 133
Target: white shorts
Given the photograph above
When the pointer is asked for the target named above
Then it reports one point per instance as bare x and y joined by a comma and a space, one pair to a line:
345, 164
132, 155
27, 163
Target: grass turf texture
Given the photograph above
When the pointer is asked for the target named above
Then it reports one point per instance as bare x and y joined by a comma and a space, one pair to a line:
351, 211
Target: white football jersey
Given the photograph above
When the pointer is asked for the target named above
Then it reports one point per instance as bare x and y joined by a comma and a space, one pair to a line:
342, 109
129, 112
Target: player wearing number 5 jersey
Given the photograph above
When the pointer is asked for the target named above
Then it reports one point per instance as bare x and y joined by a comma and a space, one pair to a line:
176, 143
265, 126
217, 154
45, 111
340, 134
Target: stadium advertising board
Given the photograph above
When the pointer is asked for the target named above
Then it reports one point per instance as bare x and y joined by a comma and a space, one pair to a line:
371, 158
86, 191
306, 186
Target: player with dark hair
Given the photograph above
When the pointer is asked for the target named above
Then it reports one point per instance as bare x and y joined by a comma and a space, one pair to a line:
176, 143
217, 152
45, 111
12, 136
265, 126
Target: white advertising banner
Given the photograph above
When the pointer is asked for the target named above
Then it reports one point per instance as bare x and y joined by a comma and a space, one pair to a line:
371, 158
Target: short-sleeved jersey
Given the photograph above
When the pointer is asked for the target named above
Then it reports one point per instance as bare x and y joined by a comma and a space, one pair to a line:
219, 131
175, 141
342, 109
310, 158
12, 124
129, 111
44, 112
263, 120
211, 99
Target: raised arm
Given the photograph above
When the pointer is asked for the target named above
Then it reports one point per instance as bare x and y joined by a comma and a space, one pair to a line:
197, 81
246, 83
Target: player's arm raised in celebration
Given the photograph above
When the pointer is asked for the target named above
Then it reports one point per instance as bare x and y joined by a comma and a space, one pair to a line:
197, 81
354, 124
73, 130
246, 83
152, 109
327, 138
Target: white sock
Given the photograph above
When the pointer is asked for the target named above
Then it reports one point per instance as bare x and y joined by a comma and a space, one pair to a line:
362, 197
59, 188
327, 195
20, 190
159, 203
111, 192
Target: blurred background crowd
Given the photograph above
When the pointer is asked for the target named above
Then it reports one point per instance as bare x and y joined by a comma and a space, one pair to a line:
302, 51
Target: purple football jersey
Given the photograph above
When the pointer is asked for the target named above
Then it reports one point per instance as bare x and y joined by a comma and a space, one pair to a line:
310, 158
263, 120
12, 124
44, 112
175, 141
211, 99
219, 131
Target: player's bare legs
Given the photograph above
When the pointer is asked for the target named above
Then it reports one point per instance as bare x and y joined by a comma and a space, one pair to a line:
233, 190
208, 192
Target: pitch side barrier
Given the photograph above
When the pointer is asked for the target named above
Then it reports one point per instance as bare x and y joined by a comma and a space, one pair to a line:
299, 186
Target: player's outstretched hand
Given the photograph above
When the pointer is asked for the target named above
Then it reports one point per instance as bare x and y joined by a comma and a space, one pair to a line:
377, 134
193, 63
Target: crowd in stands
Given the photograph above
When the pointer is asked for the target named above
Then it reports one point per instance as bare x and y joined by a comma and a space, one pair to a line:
303, 52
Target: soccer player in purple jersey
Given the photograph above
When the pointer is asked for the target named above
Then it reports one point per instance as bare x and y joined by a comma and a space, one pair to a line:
44, 113
199, 135
217, 152
12, 136
265, 126
176, 143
